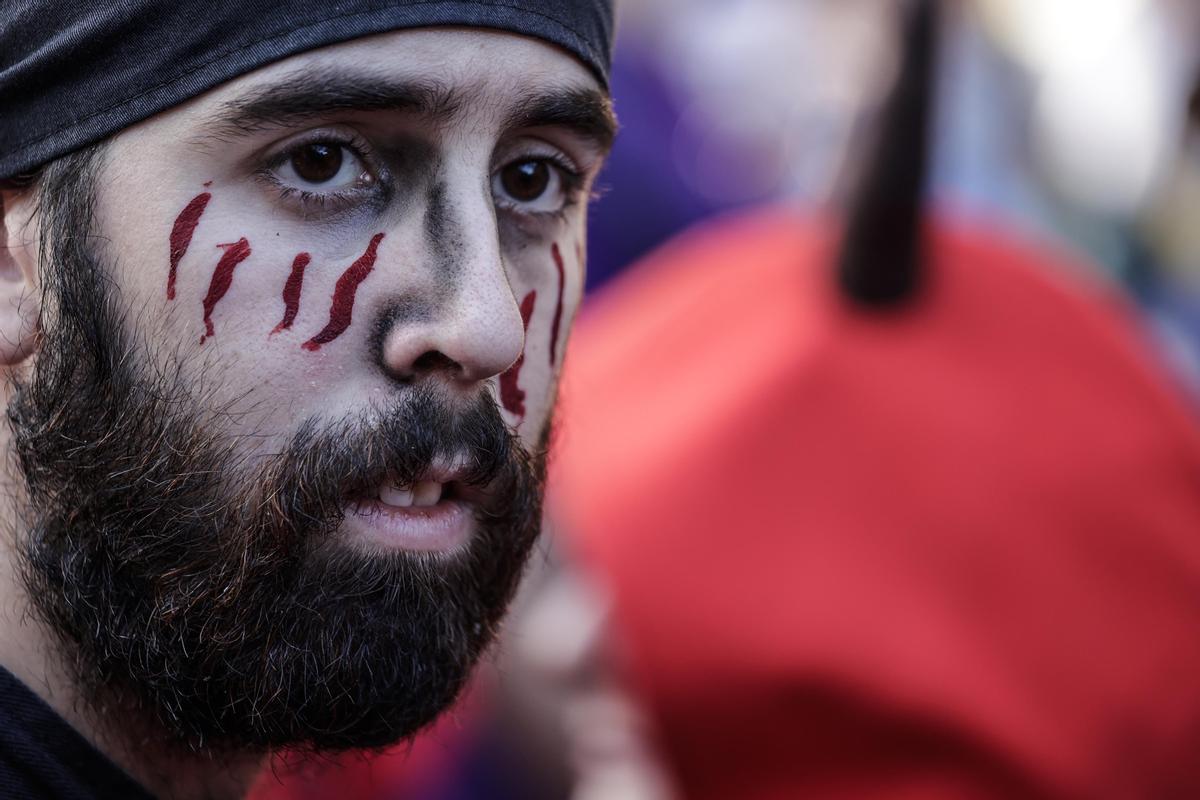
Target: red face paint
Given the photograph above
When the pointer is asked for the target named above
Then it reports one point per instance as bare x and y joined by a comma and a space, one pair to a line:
181, 235
222, 279
558, 309
512, 396
291, 293
343, 297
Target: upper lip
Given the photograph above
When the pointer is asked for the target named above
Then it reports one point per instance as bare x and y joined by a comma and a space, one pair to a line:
445, 477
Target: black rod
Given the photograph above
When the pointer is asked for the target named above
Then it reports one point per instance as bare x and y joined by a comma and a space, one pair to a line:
880, 263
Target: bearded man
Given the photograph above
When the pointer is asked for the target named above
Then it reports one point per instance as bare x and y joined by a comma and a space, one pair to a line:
284, 289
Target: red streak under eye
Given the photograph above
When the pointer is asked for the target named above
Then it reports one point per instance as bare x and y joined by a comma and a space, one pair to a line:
181, 235
512, 396
222, 279
558, 309
291, 293
343, 297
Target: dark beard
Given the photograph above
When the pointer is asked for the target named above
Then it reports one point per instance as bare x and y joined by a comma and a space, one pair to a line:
212, 596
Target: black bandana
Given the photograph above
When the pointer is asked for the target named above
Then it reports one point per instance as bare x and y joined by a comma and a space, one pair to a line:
73, 72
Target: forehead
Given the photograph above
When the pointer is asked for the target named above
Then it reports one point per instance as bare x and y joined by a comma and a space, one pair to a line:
489, 62
447, 74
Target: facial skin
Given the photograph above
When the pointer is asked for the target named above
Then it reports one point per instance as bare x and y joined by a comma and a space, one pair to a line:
328, 290
458, 253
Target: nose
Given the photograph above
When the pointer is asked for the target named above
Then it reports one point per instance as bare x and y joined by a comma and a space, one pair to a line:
471, 328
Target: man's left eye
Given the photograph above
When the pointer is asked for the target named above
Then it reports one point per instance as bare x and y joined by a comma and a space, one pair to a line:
322, 166
530, 186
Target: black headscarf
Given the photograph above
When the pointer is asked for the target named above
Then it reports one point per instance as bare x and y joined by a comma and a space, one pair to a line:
73, 72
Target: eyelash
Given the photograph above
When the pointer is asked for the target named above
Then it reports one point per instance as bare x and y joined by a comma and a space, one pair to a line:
317, 201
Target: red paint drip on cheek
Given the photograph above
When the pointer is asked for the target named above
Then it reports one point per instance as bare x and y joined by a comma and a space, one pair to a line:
181, 235
343, 297
291, 293
222, 279
512, 396
558, 309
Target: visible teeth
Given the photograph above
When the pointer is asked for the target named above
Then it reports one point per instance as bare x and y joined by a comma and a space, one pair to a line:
395, 496
426, 493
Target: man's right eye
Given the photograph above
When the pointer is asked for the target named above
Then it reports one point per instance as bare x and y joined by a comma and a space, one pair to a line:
322, 166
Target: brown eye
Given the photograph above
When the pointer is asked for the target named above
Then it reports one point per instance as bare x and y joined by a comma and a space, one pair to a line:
318, 162
525, 181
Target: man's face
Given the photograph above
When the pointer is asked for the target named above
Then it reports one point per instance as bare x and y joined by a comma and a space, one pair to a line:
381, 246
283, 452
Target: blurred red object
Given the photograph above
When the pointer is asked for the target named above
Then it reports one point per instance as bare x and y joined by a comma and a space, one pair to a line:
950, 550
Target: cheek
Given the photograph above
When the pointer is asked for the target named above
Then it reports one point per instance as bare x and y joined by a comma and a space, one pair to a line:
345, 292
182, 232
569, 265
257, 282
293, 289
232, 294
551, 290
229, 293
554, 269
556, 323
512, 393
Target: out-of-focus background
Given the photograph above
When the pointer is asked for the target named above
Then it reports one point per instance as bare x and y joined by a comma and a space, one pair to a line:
801, 549
1065, 120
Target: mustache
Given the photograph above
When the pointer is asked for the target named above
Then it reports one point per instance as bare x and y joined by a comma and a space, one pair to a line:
325, 466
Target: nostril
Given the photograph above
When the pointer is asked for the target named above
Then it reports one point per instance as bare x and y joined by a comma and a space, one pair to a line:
435, 361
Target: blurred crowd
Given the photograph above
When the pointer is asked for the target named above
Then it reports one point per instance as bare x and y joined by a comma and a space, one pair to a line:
802, 547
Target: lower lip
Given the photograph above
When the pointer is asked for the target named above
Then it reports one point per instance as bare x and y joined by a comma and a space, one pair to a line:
439, 528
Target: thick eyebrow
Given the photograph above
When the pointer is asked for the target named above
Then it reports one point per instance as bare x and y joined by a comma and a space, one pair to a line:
586, 112
308, 95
